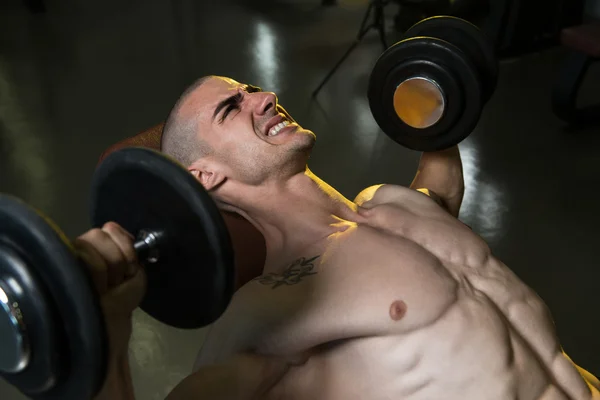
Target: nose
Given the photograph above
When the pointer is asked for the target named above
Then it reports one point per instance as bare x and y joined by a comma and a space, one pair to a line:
267, 102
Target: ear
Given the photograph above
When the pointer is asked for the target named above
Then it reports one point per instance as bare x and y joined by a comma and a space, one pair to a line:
208, 175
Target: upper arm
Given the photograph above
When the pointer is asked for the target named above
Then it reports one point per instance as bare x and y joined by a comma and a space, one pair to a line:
259, 312
442, 173
290, 313
587, 376
241, 377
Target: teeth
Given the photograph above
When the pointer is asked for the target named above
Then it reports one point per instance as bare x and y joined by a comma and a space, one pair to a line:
275, 130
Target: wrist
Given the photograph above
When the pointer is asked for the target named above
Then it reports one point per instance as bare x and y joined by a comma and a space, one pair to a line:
117, 384
445, 163
451, 154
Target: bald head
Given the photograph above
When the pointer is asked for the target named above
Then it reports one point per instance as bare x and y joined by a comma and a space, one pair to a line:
232, 135
180, 139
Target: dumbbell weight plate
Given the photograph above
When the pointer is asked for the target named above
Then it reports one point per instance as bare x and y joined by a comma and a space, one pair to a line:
190, 282
469, 39
61, 323
437, 61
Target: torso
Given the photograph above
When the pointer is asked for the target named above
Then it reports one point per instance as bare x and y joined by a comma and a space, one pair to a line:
408, 304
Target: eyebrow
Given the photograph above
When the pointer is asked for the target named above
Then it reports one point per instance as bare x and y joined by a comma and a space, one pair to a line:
233, 99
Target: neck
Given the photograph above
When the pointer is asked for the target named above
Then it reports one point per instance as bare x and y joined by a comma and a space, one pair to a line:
296, 214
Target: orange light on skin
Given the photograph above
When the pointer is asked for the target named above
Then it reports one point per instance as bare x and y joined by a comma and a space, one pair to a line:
424, 191
367, 195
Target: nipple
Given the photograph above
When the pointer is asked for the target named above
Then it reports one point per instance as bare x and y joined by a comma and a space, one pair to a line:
397, 310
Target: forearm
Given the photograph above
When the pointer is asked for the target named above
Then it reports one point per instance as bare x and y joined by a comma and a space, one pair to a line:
442, 173
118, 384
213, 382
243, 377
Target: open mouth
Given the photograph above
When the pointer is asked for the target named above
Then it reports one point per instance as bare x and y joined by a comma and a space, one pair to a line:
280, 123
277, 128
276, 125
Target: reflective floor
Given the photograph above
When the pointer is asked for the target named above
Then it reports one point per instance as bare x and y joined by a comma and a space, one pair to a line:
87, 74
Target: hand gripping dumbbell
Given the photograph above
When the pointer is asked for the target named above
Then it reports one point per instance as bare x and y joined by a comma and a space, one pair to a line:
427, 91
52, 333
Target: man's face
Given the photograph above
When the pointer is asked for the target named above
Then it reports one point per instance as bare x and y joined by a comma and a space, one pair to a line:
252, 136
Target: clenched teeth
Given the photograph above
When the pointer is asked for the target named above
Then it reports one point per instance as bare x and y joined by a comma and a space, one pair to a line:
275, 130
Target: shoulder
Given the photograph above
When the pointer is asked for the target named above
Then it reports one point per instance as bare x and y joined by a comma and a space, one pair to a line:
394, 194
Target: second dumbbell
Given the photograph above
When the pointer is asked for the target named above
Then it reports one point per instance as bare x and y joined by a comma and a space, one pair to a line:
427, 91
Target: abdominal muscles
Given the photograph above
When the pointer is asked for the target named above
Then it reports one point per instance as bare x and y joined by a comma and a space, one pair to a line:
470, 353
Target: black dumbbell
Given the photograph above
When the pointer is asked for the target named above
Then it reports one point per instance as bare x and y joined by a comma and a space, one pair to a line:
51, 325
427, 91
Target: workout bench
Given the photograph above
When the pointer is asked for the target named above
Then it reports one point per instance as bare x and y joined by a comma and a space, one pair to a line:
248, 243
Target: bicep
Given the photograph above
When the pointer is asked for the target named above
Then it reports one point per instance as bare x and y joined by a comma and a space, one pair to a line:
285, 314
259, 311
448, 195
433, 196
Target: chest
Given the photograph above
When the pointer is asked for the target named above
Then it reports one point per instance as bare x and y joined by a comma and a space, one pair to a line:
350, 287
432, 229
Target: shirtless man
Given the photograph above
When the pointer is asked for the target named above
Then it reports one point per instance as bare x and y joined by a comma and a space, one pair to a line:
388, 296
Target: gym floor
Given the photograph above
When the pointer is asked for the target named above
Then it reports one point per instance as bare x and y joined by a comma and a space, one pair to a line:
84, 75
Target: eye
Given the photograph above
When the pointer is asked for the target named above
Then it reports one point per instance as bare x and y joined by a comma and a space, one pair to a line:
228, 110
234, 104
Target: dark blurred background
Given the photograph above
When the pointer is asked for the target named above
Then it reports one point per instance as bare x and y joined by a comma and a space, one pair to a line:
77, 76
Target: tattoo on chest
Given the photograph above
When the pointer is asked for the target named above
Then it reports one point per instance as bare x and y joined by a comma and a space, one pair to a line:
292, 275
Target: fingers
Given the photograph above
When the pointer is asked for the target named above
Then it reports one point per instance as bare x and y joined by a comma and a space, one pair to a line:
112, 257
109, 255
127, 296
124, 240
94, 262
